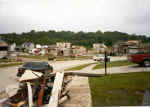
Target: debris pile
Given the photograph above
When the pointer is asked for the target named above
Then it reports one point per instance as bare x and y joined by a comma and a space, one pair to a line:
41, 89
41, 93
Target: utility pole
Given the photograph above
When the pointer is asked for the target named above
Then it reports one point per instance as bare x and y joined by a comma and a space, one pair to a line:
105, 63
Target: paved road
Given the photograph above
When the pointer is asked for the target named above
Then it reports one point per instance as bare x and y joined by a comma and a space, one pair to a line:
113, 70
61, 65
79, 91
8, 74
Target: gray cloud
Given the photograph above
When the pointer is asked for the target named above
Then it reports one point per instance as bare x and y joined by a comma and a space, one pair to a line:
130, 16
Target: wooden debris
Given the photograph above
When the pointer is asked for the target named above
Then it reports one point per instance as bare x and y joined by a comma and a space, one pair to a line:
30, 101
83, 74
63, 99
56, 91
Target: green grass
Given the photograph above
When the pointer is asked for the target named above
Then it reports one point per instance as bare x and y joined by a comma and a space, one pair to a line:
113, 64
4, 60
10, 64
35, 57
146, 44
119, 89
79, 67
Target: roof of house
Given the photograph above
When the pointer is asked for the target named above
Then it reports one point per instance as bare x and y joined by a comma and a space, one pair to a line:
27, 43
52, 46
3, 43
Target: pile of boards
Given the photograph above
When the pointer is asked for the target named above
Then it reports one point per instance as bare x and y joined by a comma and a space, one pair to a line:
40, 90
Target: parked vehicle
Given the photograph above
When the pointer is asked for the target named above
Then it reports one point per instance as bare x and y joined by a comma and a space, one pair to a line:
34, 66
100, 57
142, 58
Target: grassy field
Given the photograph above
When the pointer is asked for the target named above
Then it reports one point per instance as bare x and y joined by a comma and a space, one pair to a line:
119, 89
79, 67
10, 64
113, 64
4, 60
35, 57
146, 44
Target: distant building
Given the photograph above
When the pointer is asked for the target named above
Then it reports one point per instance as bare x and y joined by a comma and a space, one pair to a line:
38, 46
3, 49
125, 47
28, 46
19, 48
13, 47
133, 50
99, 47
66, 52
52, 49
79, 50
63, 45
64, 48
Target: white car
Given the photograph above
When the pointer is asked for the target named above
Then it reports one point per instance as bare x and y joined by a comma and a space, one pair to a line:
100, 57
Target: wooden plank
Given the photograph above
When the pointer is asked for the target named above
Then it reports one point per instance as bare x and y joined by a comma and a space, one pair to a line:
84, 74
56, 91
30, 100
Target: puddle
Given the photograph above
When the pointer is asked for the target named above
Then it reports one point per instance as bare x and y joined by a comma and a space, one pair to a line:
146, 99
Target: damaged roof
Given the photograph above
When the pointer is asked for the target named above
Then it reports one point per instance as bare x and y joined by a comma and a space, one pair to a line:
3, 44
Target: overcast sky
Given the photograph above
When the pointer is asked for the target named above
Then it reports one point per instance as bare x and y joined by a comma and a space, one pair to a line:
131, 16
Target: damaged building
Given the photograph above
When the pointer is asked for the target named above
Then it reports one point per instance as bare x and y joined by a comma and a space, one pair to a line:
99, 48
66, 49
125, 47
79, 50
3, 49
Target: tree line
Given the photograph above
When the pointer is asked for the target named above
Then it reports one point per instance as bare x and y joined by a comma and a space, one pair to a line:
77, 38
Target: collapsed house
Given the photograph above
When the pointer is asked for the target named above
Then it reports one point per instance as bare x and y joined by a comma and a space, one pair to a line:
59, 49
79, 50
3, 49
66, 49
99, 48
13, 47
126, 47
52, 50
28, 46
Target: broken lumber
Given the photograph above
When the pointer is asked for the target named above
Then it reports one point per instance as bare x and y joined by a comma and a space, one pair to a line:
30, 101
56, 91
85, 74
63, 99
82, 73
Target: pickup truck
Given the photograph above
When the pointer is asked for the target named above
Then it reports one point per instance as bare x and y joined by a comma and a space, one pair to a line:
141, 58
